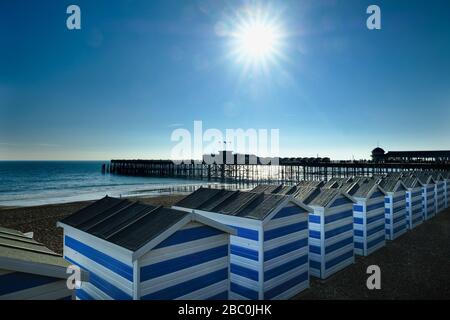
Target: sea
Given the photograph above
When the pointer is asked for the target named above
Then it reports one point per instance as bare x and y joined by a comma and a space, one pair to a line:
32, 183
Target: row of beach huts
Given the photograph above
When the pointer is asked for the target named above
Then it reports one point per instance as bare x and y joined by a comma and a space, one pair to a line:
222, 244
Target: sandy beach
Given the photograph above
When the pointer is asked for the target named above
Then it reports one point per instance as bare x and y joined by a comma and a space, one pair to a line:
42, 219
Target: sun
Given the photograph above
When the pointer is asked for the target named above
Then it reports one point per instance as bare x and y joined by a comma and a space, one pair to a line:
257, 38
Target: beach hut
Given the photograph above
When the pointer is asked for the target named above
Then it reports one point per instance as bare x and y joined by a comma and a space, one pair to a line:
395, 206
331, 245
446, 175
369, 218
138, 251
269, 254
428, 194
440, 191
414, 209
30, 271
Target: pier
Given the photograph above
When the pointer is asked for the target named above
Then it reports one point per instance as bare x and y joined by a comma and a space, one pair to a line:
287, 169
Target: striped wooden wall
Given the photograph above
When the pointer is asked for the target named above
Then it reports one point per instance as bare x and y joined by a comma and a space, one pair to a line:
192, 264
27, 286
414, 209
429, 201
110, 275
286, 265
440, 196
369, 224
331, 241
395, 214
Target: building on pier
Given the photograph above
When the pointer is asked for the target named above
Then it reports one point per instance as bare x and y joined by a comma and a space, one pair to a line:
269, 254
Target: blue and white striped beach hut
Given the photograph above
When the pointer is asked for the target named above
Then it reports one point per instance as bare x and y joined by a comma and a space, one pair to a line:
428, 194
269, 254
369, 217
440, 191
446, 175
30, 271
395, 206
330, 230
414, 206
138, 251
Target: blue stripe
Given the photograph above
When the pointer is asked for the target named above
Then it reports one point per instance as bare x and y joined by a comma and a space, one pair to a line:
400, 198
417, 220
338, 259
377, 194
358, 233
387, 200
83, 295
314, 219
102, 284
246, 233
286, 286
375, 230
244, 272
358, 220
180, 263
288, 211
399, 228
244, 252
17, 281
338, 245
315, 249
358, 208
221, 296
398, 209
375, 206
359, 245
338, 216
244, 291
314, 234
397, 219
284, 249
387, 210
415, 194
279, 270
108, 262
415, 203
191, 234
282, 231
335, 232
376, 241
189, 286
375, 218
314, 264
340, 202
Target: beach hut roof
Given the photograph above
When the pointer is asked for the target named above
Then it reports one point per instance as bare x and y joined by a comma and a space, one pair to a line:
351, 187
311, 183
326, 197
131, 224
20, 252
267, 188
306, 194
411, 182
391, 183
367, 188
337, 182
234, 203
425, 177
437, 176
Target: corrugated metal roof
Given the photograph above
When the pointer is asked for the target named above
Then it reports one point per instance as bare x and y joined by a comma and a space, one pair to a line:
235, 203
411, 182
365, 188
388, 184
306, 194
424, 177
123, 222
16, 245
336, 182
325, 196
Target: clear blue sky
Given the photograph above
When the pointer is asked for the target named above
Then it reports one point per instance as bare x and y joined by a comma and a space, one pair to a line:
138, 69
